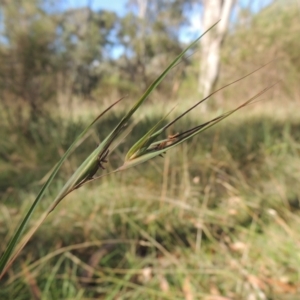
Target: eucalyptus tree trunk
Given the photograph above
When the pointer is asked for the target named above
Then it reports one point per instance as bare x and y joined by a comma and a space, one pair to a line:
214, 10
142, 4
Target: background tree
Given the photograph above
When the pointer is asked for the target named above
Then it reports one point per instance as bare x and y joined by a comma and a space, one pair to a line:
28, 60
149, 34
84, 38
212, 12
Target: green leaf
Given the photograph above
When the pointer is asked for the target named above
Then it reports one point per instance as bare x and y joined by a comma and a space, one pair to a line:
144, 142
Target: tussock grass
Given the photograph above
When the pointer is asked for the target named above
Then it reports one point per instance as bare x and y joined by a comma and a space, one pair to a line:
213, 219
218, 216
146, 148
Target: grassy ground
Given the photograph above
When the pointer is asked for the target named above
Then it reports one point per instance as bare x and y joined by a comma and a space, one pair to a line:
217, 218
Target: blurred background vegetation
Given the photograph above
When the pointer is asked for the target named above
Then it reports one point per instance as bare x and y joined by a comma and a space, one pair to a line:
217, 218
